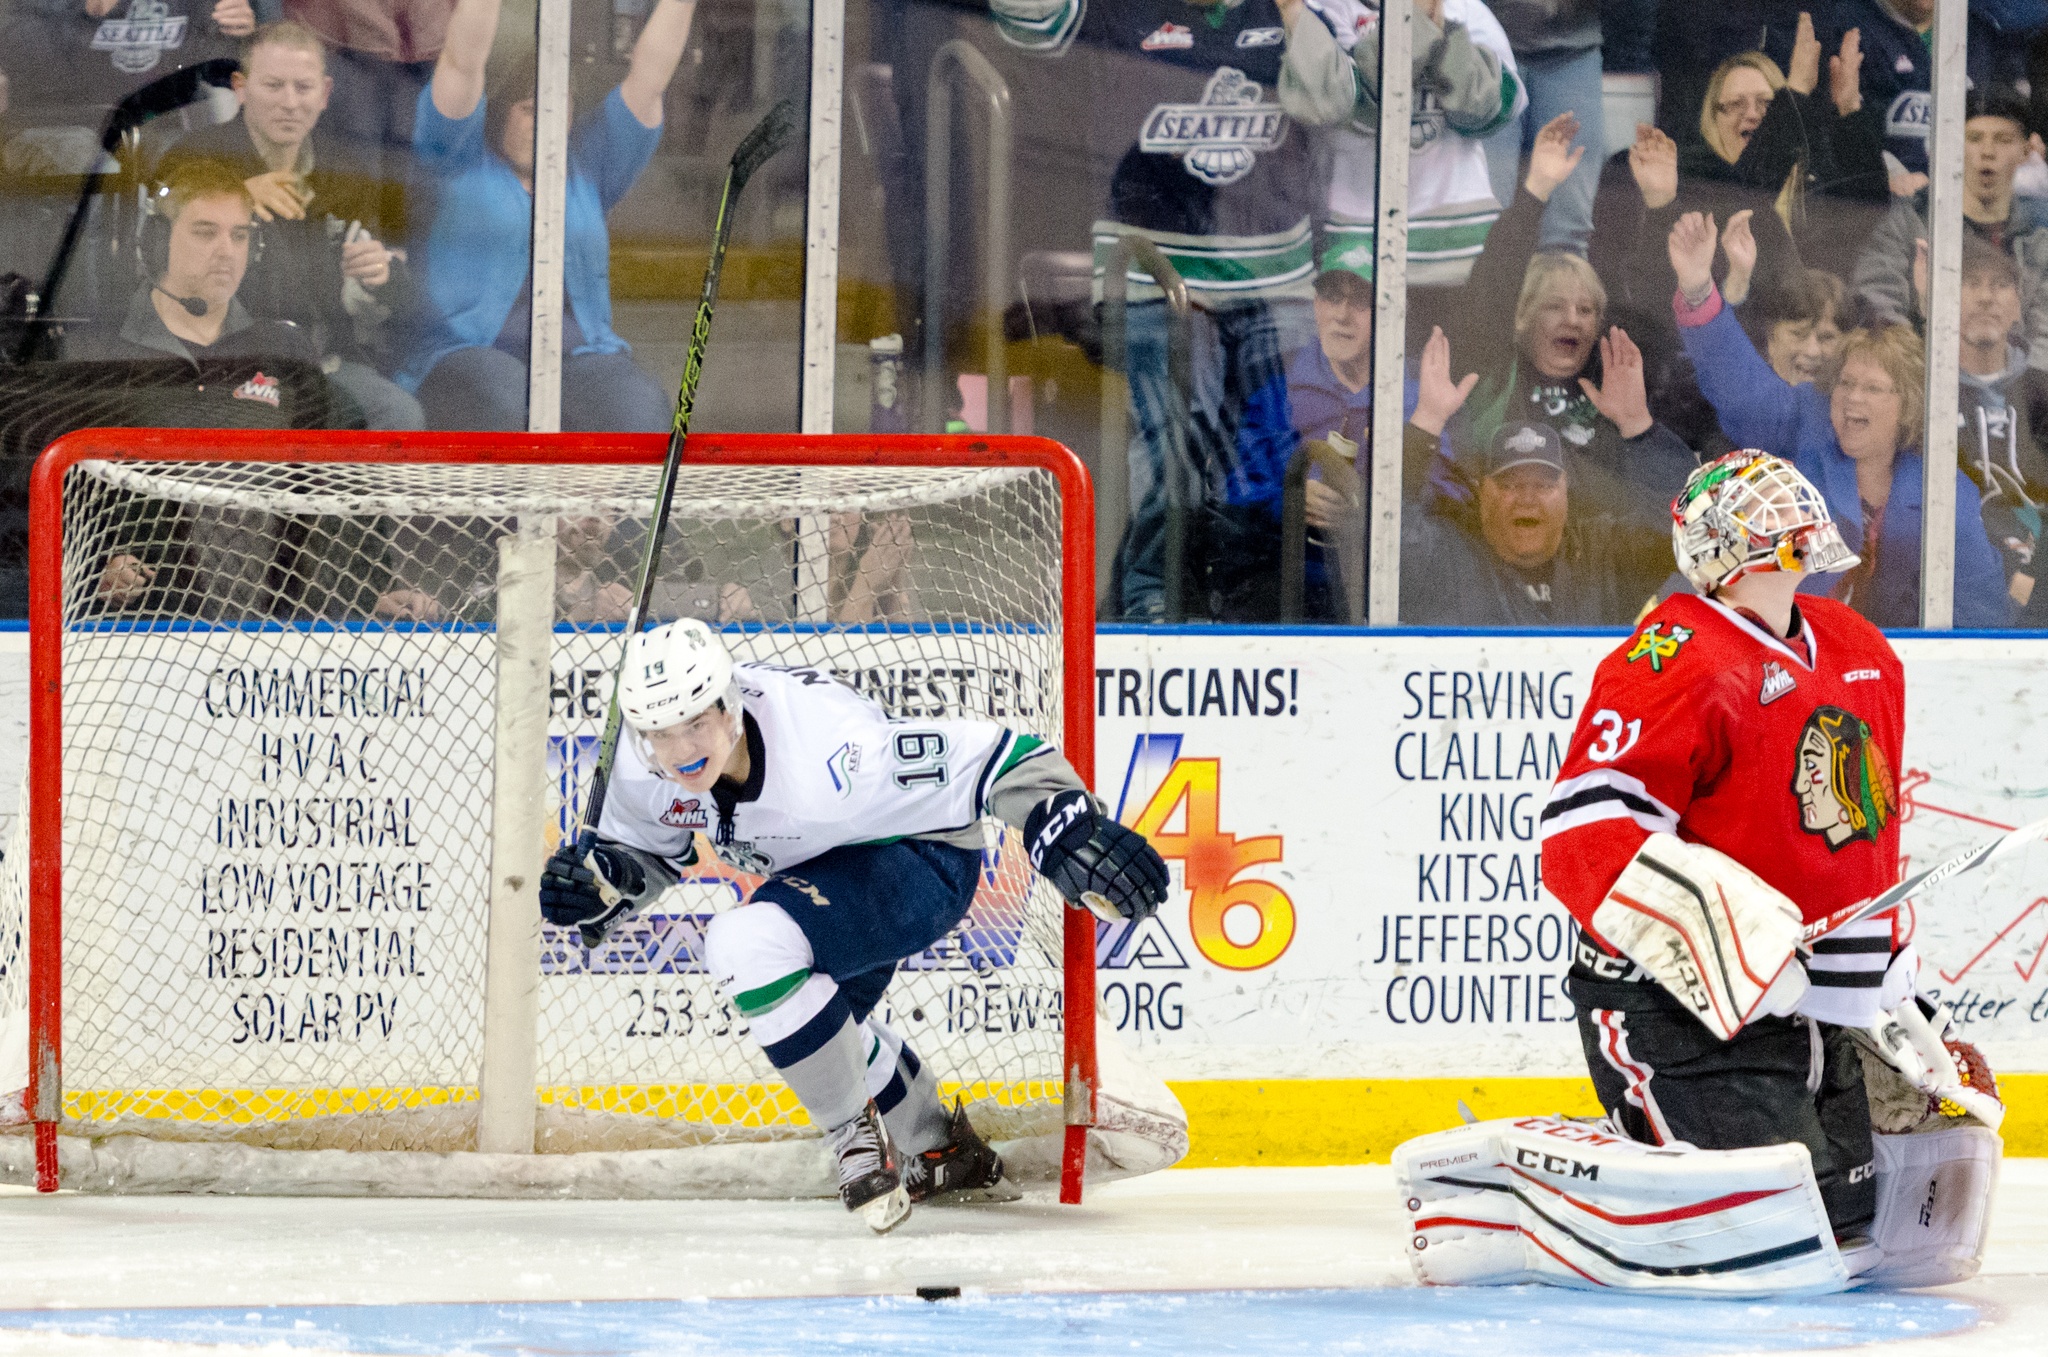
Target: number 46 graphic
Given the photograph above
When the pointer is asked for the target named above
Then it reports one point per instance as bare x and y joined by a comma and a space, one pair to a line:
1211, 860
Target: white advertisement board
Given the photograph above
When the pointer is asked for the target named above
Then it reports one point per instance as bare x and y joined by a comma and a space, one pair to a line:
1351, 822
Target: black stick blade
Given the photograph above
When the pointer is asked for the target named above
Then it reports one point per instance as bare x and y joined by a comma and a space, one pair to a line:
770, 135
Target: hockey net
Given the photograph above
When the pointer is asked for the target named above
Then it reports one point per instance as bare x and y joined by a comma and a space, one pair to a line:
297, 832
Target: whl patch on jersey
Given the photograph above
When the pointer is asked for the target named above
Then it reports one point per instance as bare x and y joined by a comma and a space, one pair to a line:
1218, 140
1777, 682
683, 814
258, 388
1168, 37
1841, 779
1659, 645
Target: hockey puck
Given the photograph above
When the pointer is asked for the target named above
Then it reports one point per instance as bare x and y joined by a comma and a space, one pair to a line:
938, 1293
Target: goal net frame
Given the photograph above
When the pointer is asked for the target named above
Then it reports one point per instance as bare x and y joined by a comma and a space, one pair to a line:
47, 625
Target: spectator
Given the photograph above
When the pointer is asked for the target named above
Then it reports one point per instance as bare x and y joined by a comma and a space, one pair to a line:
323, 266
2003, 414
475, 155
1556, 45
1228, 200
1994, 144
1693, 39
1801, 323
381, 54
1329, 382
1856, 439
1529, 557
196, 249
1541, 356
1765, 145
1898, 67
65, 63
1465, 88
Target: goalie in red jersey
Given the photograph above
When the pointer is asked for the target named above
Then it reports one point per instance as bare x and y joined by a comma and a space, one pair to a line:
1731, 781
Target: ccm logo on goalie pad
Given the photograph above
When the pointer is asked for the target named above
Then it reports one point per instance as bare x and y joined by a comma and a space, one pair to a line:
1555, 1163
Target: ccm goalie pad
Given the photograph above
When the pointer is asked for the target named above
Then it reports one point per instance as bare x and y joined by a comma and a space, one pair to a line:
1935, 1109
1548, 1199
1713, 933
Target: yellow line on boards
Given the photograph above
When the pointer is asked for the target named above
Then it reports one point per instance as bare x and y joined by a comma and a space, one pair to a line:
1293, 1122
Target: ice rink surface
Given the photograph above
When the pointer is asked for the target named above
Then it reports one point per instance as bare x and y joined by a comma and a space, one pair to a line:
1187, 1263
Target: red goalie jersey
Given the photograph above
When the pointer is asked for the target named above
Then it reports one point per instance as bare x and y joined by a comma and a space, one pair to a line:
1779, 754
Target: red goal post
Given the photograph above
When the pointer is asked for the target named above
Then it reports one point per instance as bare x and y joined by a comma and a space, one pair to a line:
591, 453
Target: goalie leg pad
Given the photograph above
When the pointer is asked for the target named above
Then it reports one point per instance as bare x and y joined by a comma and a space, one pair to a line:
1934, 1195
1549, 1199
1665, 1079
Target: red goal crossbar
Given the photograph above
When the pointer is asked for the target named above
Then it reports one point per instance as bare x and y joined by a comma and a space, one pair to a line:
46, 633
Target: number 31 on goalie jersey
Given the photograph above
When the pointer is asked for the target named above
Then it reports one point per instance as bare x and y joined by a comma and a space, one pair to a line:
1615, 736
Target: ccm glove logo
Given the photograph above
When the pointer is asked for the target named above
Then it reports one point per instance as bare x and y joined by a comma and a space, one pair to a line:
1094, 862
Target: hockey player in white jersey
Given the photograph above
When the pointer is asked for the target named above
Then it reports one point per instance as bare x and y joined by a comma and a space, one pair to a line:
870, 833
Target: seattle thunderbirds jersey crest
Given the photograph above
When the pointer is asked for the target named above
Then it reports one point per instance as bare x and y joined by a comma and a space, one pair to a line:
1182, 99
1219, 139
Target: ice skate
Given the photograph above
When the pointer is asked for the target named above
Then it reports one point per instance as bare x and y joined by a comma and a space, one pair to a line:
964, 1169
870, 1174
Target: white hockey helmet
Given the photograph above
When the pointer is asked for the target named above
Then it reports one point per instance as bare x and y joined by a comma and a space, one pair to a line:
674, 673
1749, 511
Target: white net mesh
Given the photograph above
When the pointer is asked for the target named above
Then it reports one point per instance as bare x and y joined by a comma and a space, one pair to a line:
278, 758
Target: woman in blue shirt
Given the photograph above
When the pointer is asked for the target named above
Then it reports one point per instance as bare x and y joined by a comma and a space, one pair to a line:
474, 263
1857, 442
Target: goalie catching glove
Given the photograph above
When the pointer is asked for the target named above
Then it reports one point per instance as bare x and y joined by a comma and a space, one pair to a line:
591, 884
1716, 935
1092, 860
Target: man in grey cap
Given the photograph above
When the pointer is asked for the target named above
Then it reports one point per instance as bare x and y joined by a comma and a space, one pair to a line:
1520, 558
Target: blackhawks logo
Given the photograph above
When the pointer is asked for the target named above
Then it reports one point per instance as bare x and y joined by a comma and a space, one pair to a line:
1841, 779
1658, 644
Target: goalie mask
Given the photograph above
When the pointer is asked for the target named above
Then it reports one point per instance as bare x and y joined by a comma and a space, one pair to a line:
1750, 511
674, 675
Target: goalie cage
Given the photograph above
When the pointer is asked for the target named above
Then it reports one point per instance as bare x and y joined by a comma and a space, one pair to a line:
318, 705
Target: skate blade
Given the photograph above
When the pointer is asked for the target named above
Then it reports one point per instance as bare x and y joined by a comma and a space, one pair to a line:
887, 1211
1002, 1191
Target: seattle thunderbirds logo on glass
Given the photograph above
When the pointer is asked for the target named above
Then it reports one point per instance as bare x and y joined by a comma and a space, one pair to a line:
1219, 139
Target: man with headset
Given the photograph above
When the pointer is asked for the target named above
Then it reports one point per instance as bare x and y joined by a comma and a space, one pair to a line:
196, 239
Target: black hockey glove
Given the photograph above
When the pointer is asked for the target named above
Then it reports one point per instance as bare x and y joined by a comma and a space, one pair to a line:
589, 885
1094, 861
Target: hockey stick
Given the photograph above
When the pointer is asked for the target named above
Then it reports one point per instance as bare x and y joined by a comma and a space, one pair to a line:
770, 135
1989, 851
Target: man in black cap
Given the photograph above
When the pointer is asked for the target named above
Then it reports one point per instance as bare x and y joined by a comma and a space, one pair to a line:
1521, 558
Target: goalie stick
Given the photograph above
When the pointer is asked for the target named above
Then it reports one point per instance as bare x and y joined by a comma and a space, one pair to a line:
770, 135
1989, 851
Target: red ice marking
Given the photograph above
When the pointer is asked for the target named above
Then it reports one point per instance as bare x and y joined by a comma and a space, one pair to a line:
2027, 973
1435, 1221
1917, 778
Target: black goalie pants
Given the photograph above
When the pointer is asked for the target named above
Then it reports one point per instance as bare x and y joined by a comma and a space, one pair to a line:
1666, 1078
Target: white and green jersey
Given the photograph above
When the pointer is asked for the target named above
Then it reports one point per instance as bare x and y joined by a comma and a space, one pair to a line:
828, 768
1451, 206
1183, 100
